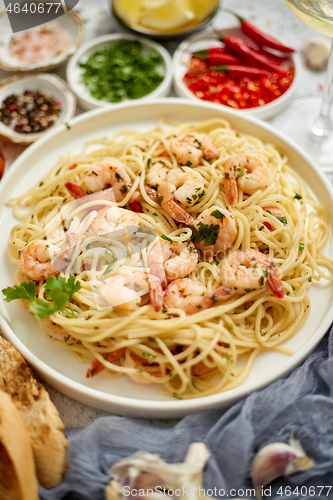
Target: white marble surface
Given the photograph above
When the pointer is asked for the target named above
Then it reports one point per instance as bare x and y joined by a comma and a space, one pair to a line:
272, 16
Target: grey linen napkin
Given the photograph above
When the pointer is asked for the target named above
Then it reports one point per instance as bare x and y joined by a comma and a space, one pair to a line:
301, 402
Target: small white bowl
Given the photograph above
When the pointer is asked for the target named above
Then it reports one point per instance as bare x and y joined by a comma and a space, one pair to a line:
44, 82
71, 22
74, 72
182, 56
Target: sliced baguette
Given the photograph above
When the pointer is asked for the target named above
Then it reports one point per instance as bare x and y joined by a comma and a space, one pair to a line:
18, 479
40, 416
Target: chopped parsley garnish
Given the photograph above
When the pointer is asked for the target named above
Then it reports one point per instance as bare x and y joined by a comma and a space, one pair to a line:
298, 196
123, 70
250, 290
301, 245
58, 294
155, 214
217, 214
160, 199
189, 164
208, 233
282, 219
123, 189
166, 238
201, 194
68, 126
109, 266
240, 174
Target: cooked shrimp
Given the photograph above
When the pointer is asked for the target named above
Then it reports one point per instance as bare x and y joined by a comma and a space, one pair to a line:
171, 261
191, 296
39, 260
97, 367
104, 174
57, 332
190, 148
181, 189
276, 212
216, 226
124, 291
247, 270
107, 181
111, 219
157, 173
141, 365
246, 170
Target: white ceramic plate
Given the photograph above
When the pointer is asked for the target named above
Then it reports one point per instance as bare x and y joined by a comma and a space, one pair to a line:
58, 367
71, 22
182, 56
74, 72
45, 82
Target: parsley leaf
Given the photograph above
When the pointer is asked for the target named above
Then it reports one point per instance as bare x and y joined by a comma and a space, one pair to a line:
58, 294
208, 233
26, 290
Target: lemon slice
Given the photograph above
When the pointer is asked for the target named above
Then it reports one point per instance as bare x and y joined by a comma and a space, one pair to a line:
171, 15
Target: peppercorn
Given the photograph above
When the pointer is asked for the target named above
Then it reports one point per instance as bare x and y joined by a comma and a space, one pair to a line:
30, 111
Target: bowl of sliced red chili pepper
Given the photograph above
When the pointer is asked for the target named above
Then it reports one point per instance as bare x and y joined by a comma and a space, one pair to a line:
242, 68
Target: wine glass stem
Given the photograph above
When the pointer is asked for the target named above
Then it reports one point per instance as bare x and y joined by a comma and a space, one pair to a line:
323, 126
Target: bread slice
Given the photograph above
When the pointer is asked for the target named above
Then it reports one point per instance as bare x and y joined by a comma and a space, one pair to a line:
18, 479
40, 416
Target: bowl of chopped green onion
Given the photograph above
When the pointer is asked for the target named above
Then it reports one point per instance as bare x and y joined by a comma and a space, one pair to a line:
119, 67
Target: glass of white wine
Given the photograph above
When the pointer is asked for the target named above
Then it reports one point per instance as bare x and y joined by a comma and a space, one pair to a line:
308, 120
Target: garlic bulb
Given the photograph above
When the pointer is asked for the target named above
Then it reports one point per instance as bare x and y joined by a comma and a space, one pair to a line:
316, 53
278, 459
145, 474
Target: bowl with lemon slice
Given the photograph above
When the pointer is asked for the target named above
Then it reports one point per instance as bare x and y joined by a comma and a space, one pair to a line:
165, 19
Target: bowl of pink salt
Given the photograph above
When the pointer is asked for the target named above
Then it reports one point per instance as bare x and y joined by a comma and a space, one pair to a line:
42, 48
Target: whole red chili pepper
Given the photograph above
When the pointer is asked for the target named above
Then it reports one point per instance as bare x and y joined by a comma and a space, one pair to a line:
235, 70
216, 56
241, 47
275, 59
260, 37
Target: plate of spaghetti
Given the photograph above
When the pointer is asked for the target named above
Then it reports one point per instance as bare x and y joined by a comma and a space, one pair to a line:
168, 257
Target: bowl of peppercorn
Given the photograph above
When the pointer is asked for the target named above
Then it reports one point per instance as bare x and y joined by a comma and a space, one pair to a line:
33, 104
119, 67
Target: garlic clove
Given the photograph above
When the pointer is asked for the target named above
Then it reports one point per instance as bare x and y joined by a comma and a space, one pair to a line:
278, 459
316, 53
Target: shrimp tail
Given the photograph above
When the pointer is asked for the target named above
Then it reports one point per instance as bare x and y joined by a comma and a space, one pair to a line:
275, 283
75, 190
65, 254
151, 193
220, 295
156, 297
230, 188
177, 212
97, 367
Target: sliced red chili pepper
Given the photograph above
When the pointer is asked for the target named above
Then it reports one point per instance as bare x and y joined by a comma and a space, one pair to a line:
235, 70
136, 207
217, 57
261, 38
241, 47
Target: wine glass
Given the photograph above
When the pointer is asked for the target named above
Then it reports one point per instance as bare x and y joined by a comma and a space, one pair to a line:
308, 120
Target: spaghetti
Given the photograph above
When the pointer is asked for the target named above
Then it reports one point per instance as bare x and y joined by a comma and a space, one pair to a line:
182, 283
